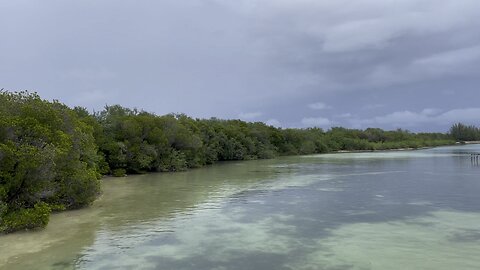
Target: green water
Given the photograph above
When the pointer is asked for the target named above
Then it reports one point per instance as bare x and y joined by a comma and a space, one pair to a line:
391, 210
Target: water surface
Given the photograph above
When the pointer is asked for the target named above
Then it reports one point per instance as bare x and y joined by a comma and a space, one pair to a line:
389, 210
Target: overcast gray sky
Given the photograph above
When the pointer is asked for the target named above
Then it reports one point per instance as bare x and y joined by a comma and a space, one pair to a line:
413, 64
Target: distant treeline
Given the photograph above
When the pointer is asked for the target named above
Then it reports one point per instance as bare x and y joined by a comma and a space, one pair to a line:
52, 156
461, 132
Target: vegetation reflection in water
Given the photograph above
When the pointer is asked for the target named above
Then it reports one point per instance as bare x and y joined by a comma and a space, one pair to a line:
398, 210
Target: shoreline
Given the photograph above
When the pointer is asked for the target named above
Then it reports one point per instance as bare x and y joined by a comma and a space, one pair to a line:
106, 177
279, 156
384, 150
467, 142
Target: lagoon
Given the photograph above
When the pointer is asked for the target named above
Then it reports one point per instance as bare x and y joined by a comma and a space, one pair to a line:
383, 210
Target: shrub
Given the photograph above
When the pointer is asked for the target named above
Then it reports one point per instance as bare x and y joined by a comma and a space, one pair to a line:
120, 172
26, 219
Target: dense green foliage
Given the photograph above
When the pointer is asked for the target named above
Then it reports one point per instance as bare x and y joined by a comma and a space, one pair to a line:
27, 218
47, 154
461, 132
137, 142
52, 156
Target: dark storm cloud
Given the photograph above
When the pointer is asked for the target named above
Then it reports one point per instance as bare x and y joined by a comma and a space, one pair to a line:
300, 63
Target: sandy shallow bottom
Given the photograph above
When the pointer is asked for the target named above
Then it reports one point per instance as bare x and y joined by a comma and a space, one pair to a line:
442, 240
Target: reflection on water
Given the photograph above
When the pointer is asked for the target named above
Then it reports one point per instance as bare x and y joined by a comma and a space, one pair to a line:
390, 210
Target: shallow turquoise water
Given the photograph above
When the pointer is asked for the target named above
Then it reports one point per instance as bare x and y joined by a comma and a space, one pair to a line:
390, 210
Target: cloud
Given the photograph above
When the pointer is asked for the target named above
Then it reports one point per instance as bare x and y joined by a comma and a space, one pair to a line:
273, 122
250, 115
373, 106
346, 37
416, 119
319, 106
344, 115
464, 62
316, 122
430, 111
371, 44
232, 56
457, 61
402, 118
469, 115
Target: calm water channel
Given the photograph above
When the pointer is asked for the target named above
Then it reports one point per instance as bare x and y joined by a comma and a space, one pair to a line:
390, 210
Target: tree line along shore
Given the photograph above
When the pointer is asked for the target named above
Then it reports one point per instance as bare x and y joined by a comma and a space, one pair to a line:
52, 157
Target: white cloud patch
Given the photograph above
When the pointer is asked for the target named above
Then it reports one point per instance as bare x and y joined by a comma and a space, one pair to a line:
316, 122
375, 24
450, 61
470, 115
319, 106
404, 118
273, 122
426, 116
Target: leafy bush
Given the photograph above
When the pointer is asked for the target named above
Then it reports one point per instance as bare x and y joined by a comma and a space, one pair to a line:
48, 154
119, 172
26, 219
